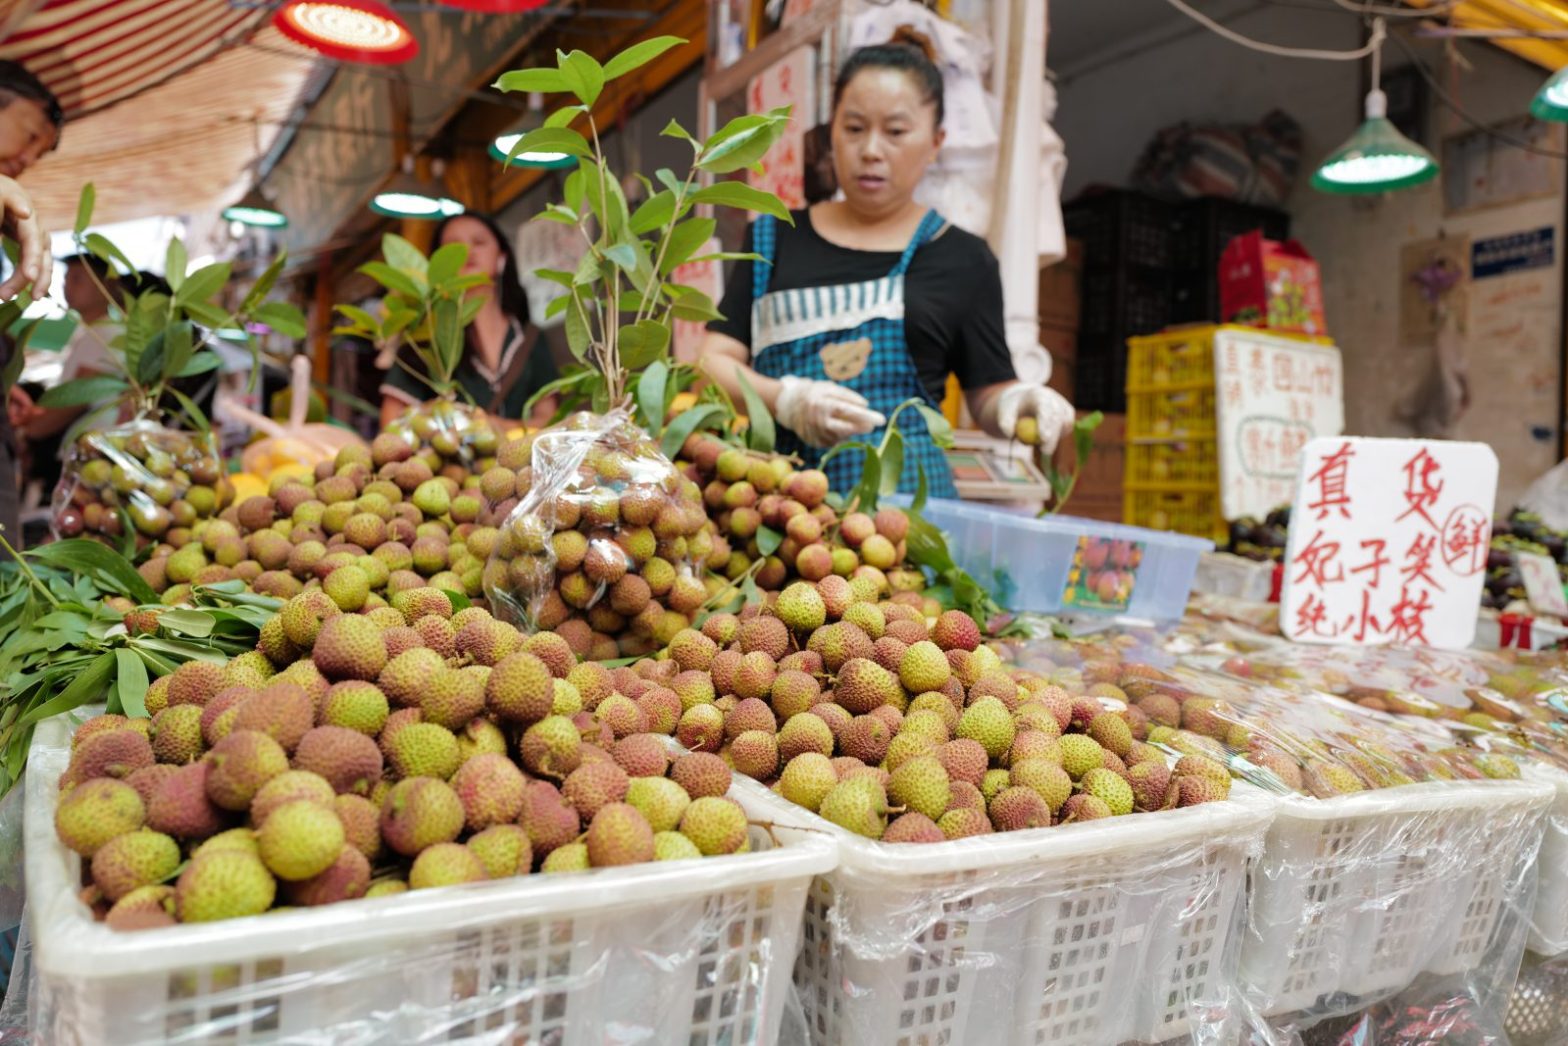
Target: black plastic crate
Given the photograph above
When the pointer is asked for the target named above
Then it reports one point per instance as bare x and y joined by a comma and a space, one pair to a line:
1121, 303
1200, 229
1100, 380
1195, 297
1120, 229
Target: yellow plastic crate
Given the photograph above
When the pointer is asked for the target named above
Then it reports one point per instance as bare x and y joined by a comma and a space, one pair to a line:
1172, 475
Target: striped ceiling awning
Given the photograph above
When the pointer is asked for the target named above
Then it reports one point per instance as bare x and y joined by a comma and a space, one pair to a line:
94, 53
166, 101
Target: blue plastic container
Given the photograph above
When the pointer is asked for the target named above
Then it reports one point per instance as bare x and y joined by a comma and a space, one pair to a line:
1059, 564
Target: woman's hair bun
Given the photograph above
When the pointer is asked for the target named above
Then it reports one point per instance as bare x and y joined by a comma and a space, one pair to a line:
909, 36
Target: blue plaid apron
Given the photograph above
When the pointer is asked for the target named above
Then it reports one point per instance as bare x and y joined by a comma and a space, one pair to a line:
852, 334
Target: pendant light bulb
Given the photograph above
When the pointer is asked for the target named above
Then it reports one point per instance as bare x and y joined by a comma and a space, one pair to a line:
1377, 157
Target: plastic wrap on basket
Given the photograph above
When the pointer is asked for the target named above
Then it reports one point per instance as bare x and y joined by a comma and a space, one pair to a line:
605, 533
139, 480
1106, 931
459, 437
654, 953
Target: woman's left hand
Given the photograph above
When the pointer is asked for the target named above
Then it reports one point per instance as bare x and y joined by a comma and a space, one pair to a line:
1052, 413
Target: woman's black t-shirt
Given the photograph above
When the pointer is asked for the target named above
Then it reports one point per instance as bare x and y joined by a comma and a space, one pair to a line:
952, 298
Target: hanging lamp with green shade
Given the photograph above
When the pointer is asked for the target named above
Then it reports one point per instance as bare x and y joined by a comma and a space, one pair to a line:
1377, 157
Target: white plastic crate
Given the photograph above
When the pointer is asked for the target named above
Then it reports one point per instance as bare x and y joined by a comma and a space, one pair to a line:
1549, 924
1361, 893
1224, 574
1092, 933
687, 952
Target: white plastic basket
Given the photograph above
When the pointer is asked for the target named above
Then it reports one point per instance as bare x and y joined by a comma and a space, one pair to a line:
1083, 934
1549, 924
688, 952
1359, 894
1236, 577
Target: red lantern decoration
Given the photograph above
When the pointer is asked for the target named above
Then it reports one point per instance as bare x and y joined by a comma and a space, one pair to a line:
349, 30
497, 7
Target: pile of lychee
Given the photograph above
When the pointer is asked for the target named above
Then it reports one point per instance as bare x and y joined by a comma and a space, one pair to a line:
140, 479
748, 490
905, 730
1283, 741
365, 754
601, 538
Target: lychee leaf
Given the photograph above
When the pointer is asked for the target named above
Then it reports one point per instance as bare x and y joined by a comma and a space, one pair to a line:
459, 600
191, 623
650, 395
768, 540
131, 683
682, 427
760, 434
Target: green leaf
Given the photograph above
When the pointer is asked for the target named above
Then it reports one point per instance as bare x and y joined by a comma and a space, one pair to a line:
200, 364
149, 363
13, 364
573, 190
131, 682
685, 424
1083, 435
570, 383
283, 317
207, 314
639, 54
178, 345
768, 540
192, 412
551, 140
390, 278
738, 194
742, 142
759, 428
685, 240
655, 212
691, 304
174, 263
83, 391
623, 255
403, 256
642, 343
460, 601
666, 178
583, 76
100, 247
543, 81
84, 209
264, 283
673, 129
564, 116
446, 262
937, 424
203, 283
578, 339
922, 489
891, 464
650, 396
85, 688
191, 623
448, 335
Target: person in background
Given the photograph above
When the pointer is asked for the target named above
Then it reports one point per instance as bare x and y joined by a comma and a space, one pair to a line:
505, 361
871, 300
30, 122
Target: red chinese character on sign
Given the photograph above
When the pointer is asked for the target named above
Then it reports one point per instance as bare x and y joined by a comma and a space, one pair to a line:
1330, 478
1467, 538
1317, 560
1364, 623
1375, 562
1418, 562
1313, 617
1407, 618
1420, 492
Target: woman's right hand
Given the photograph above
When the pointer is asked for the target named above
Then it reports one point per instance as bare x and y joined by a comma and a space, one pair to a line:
823, 413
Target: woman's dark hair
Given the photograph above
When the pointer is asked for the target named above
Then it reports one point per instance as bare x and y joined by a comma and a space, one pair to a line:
514, 300
908, 52
16, 82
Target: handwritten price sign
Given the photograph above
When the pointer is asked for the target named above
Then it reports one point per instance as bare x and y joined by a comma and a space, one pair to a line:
1272, 396
1388, 542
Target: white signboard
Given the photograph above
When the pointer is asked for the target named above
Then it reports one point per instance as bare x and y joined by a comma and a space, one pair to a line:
1542, 583
1388, 542
788, 81
1272, 396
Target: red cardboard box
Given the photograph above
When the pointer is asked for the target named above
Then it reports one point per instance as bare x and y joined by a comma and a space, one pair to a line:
1265, 283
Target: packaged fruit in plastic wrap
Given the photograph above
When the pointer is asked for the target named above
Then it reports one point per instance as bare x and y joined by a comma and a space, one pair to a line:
139, 484
605, 538
452, 437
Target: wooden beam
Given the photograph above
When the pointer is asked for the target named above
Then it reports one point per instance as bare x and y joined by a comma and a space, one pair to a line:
687, 19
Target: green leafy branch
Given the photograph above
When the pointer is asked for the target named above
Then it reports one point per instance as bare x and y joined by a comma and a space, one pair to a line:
1063, 485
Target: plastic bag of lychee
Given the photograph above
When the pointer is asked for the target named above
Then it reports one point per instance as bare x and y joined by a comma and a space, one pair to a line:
459, 434
607, 537
141, 478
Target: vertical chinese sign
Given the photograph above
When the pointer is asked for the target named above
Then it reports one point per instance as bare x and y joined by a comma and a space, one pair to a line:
789, 81
1272, 396
1388, 542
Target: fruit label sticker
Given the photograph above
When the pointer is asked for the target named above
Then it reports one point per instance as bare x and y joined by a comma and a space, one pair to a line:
1272, 395
1103, 574
1542, 583
1388, 542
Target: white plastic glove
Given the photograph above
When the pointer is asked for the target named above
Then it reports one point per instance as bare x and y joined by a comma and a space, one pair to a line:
823, 412
1047, 406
